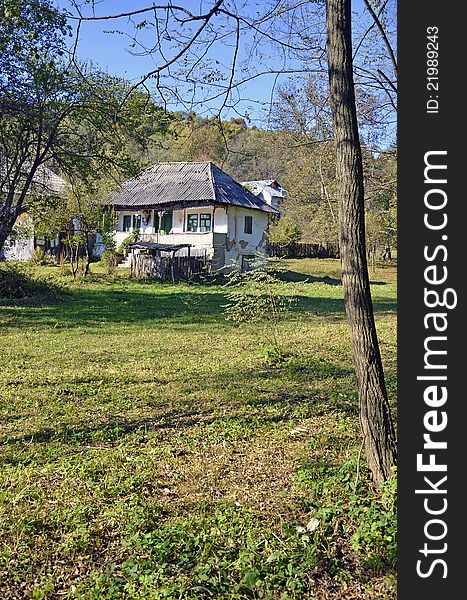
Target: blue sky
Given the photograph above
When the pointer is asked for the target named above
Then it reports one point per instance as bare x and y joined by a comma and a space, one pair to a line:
110, 52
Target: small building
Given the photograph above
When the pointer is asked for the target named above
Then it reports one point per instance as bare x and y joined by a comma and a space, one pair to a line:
23, 242
198, 205
269, 190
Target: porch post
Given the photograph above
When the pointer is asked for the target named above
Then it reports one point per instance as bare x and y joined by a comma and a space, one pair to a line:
159, 216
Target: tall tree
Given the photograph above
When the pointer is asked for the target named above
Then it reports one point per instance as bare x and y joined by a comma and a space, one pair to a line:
375, 415
54, 111
290, 28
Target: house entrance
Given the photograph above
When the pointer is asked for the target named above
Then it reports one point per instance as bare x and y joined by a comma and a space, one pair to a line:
165, 224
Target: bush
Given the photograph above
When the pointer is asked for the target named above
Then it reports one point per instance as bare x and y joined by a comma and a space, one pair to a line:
18, 281
110, 259
40, 257
132, 237
285, 231
254, 297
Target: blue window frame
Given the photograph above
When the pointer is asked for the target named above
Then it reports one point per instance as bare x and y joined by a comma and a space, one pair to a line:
192, 222
205, 222
136, 221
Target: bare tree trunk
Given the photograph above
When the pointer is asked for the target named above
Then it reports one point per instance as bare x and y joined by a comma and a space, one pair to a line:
87, 254
375, 416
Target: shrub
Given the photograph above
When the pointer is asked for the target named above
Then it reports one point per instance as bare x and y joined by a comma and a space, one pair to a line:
109, 259
285, 231
38, 258
41, 257
18, 281
253, 297
132, 237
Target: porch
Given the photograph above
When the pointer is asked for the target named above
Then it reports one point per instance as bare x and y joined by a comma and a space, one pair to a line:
197, 241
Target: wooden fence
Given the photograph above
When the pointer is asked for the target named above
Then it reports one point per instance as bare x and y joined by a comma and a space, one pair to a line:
299, 250
167, 267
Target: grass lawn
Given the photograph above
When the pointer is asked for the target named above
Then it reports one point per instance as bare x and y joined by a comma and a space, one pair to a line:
150, 448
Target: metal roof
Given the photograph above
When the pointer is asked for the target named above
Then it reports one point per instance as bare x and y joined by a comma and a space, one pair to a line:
45, 181
184, 183
49, 182
268, 185
160, 247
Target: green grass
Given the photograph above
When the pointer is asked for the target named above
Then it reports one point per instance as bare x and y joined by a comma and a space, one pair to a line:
149, 448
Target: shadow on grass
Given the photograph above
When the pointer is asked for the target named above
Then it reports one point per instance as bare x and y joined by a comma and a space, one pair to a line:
117, 427
297, 277
112, 429
156, 303
245, 411
336, 306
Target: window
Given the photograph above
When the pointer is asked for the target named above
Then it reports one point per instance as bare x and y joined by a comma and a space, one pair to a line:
199, 223
248, 228
192, 223
136, 221
126, 222
166, 222
205, 222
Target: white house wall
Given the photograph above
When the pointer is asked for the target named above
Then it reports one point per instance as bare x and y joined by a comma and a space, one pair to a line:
228, 220
19, 249
273, 200
120, 235
180, 216
241, 244
178, 221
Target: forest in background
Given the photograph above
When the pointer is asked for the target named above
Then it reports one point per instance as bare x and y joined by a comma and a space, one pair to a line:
302, 163
96, 130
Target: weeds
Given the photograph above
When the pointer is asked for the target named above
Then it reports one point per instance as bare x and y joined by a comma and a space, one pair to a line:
148, 450
18, 280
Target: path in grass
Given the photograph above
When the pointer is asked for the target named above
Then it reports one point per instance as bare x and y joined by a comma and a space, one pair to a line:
149, 450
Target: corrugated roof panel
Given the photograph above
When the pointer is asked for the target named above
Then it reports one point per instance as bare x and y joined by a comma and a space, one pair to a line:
184, 183
259, 186
44, 181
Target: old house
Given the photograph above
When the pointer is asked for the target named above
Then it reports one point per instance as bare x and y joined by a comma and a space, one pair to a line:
197, 208
269, 190
23, 241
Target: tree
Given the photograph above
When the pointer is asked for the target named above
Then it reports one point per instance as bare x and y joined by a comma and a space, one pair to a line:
190, 137
77, 218
56, 112
285, 231
381, 204
31, 33
89, 216
295, 29
375, 415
